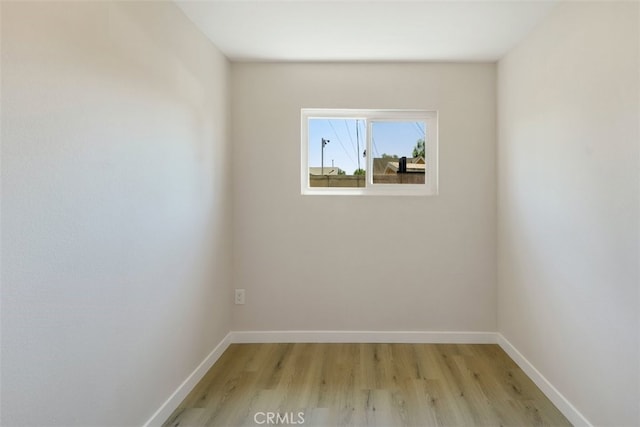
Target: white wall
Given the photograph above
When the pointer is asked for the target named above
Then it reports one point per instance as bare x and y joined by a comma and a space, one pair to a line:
568, 214
335, 262
115, 209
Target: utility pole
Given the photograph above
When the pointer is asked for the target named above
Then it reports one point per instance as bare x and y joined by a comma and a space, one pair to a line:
324, 142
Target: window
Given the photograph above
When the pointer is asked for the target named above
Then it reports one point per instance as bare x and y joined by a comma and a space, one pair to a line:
369, 152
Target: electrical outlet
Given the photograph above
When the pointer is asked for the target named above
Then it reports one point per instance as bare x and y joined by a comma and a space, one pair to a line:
239, 296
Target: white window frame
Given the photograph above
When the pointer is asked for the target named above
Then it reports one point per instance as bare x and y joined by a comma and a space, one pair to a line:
430, 118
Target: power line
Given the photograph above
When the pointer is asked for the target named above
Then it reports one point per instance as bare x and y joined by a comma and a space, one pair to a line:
375, 148
340, 141
358, 144
421, 132
350, 138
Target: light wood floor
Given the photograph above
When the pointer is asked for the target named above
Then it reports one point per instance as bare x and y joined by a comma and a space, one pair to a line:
367, 385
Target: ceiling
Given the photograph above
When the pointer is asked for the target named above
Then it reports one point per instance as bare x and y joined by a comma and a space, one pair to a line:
356, 30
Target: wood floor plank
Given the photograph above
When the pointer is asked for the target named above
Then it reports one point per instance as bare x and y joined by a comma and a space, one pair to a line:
366, 385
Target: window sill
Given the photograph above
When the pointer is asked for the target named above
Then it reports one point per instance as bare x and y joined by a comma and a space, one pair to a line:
367, 192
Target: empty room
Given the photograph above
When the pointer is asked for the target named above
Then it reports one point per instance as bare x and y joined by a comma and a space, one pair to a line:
320, 213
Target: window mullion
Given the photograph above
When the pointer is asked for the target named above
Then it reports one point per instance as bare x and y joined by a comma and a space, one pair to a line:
369, 172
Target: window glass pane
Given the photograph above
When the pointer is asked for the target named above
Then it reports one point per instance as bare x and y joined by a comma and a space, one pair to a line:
336, 153
398, 152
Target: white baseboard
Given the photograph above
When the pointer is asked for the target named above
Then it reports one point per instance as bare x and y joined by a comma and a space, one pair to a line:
561, 402
409, 337
187, 385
